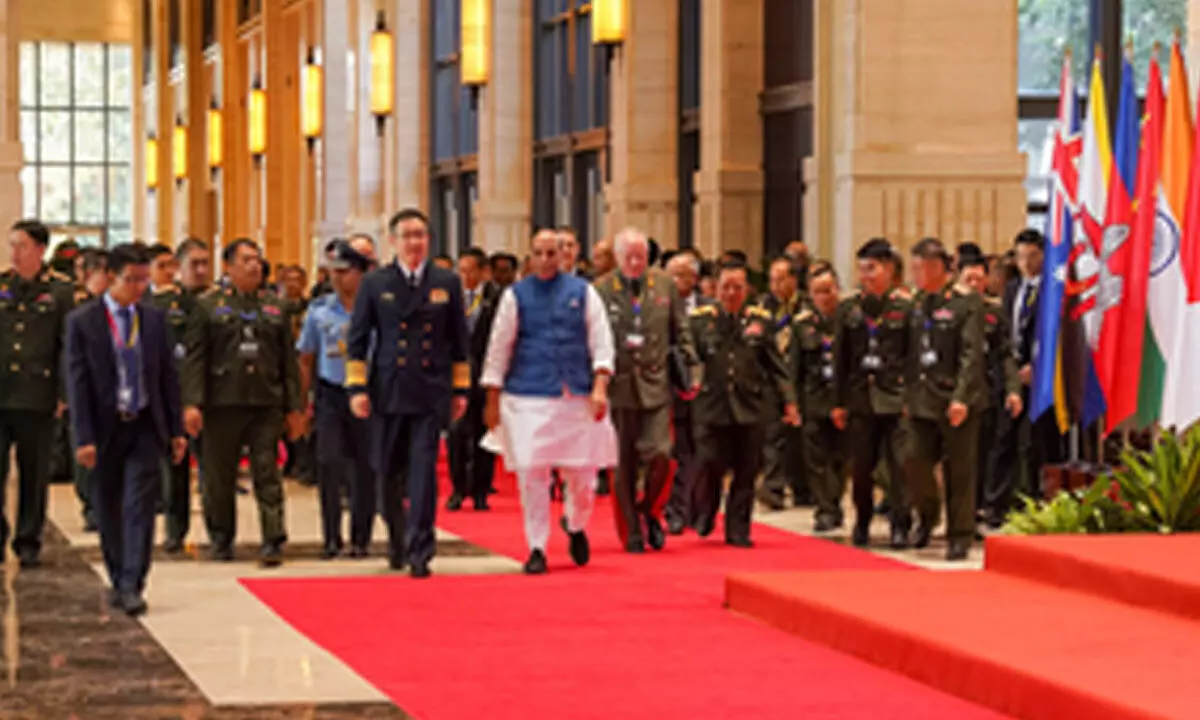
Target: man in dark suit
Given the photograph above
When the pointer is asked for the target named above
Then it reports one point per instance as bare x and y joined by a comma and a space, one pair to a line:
471, 467
1020, 443
124, 395
418, 375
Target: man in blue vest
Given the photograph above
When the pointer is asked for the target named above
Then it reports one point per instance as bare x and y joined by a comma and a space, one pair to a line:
547, 369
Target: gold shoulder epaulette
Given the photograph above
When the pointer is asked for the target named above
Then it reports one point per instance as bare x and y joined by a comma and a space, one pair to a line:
759, 311
992, 300
903, 292
703, 310
804, 315
166, 289
52, 274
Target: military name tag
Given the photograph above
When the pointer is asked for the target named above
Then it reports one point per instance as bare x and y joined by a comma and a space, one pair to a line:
634, 340
872, 362
248, 350
929, 358
826, 372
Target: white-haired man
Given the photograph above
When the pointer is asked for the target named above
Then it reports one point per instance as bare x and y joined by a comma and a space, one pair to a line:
651, 334
547, 370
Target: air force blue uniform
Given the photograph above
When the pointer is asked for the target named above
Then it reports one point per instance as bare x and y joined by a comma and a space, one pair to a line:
342, 440
419, 362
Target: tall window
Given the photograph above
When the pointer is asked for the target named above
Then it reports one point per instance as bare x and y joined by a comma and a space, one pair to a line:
455, 129
787, 110
570, 116
1047, 29
76, 132
689, 115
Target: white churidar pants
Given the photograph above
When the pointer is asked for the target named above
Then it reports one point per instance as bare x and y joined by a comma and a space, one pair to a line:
579, 494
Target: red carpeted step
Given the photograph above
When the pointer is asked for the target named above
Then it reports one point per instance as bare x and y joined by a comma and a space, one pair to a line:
586, 646
1023, 648
1152, 571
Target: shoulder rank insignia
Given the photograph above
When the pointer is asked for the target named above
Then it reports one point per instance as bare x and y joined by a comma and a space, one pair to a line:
963, 289
759, 312
804, 315
703, 311
902, 292
992, 300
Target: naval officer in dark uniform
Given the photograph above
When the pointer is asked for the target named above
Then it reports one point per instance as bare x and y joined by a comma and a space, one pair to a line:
34, 302
417, 376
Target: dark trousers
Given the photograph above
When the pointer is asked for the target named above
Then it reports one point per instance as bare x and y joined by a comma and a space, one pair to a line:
679, 505
721, 449
177, 497
989, 420
32, 433
82, 479
825, 466
125, 487
935, 441
408, 484
343, 461
643, 440
226, 431
783, 461
1021, 448
471, 467
869, 439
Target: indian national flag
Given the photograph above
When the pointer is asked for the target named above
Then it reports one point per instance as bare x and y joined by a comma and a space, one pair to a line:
1161, 381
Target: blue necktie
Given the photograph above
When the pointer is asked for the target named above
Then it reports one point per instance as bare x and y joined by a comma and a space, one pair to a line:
129, 359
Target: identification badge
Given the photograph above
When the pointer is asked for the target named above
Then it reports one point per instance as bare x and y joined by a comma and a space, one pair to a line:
929, 358
248, 350
125, 399
827, 372
180, 351
634, 340
872, 362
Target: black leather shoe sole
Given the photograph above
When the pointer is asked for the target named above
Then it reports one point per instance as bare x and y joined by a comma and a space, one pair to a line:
536, 564
420, 571
655, 537
580, 548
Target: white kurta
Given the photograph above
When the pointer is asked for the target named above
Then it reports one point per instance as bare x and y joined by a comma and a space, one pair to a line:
542, 432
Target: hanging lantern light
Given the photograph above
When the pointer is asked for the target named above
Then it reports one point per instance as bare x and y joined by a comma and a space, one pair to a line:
383, 72
257, 121
179, 151
151, 161
312, 90
216, 151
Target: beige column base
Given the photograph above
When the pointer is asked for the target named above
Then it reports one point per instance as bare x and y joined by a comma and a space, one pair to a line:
730, 213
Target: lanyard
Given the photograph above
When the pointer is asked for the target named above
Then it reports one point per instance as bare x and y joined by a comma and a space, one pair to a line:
134, 331
475, 300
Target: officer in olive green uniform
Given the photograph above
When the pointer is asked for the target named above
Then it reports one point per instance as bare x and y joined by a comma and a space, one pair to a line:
783, 454
812, 362
240, 369
870, 347
34, 302
1003, 380
946, 394
648, 324
177, 304
740, 359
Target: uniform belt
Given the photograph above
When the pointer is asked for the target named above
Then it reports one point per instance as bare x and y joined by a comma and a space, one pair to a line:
331, 386
128, 417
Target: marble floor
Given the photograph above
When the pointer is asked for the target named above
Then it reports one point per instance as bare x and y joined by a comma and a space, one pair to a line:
209, 649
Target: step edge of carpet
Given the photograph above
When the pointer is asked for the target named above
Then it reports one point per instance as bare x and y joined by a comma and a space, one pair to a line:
747, 594
1022, 557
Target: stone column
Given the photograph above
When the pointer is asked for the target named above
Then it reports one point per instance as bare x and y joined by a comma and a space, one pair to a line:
502, 212
921, 124
644, 122
333, 157
11, 158
406, 178
730, 182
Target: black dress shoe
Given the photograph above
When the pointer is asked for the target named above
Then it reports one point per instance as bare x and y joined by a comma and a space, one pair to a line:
29, 559
330, 551
899, 538
861, 537
772, 500
220, 553
704, 528
132, 604
958, 550
89, 523
675, 525
358, 552
454, 504
536, 564
922, 537
270, 555
481, 504
420, 570
396, 563
580, 548
739, 542
635, 545
655, 537
173, 546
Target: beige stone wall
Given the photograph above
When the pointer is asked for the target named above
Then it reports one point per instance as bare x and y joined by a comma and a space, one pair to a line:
919, 136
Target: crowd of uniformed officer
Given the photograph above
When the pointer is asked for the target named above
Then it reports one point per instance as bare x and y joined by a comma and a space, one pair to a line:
889, 381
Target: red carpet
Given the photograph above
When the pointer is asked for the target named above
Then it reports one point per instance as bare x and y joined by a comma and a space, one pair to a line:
626, 637
1152, 571
1024, 648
